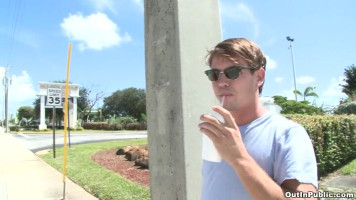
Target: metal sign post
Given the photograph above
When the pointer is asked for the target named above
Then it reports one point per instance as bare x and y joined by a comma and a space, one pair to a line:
54, 131
54, 98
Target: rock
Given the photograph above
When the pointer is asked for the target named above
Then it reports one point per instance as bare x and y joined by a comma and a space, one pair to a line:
123, 150
132, 155
142, 162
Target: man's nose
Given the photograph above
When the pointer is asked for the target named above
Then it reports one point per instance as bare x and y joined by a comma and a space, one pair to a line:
223, 81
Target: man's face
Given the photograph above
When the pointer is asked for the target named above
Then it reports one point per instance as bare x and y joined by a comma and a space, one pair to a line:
240, 92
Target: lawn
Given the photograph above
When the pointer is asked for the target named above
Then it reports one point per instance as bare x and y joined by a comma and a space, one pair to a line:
75, 131
99, 181
107, 185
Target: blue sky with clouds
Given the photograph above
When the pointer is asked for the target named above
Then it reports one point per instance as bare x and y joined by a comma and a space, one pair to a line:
108, 44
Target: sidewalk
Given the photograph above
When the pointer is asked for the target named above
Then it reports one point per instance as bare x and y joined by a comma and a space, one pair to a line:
24, 176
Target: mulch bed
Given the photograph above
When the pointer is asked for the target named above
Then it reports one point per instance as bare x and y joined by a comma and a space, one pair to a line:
123, 167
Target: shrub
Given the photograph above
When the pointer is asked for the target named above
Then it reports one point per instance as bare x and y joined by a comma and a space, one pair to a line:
29, 127
79, 128
44, 130
296, 107
333, 137
15, 128
346, 108
136, 126
123, 121
101, 126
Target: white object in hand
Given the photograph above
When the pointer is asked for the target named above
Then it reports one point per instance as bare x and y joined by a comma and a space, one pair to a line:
209, 151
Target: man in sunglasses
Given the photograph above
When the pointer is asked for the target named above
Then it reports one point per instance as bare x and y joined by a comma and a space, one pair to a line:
264, 155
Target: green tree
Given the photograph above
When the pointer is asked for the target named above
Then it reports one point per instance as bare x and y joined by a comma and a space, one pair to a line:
296, 107
25, 112
87, 100
349, 88
346, 108
308, 92
127, 102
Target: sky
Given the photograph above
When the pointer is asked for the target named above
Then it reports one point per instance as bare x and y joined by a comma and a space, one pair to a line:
108, 44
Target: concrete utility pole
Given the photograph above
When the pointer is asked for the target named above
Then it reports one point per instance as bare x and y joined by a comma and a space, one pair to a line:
178, 34
6, 84
291, 51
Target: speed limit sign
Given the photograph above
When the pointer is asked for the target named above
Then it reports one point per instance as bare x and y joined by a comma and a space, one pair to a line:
54, 97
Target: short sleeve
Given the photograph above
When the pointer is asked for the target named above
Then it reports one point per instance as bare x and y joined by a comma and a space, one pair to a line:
295, 157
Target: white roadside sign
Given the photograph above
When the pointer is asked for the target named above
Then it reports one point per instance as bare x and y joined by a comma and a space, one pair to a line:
54, 97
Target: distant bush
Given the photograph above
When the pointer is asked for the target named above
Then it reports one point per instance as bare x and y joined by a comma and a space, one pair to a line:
123, 121
44, 130
79, 128
102, 126
346, 108
296, 107
333, 137
29, 127
15, 128
136, 126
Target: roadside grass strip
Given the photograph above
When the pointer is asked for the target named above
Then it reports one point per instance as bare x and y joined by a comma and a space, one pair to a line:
97, 180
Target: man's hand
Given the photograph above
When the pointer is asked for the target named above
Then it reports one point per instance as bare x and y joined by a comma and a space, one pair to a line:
225, 136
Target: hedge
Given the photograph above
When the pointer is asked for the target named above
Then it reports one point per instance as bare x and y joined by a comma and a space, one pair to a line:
333, 137
102, 126
346, 108
116, 126
136, 126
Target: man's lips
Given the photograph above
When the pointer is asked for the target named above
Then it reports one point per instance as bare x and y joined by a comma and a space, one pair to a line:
225, 94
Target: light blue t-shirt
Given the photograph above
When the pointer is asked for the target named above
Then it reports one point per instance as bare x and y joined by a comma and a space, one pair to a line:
280, 146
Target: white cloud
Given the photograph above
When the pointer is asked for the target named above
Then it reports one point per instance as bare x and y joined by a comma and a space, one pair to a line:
289, 94
305, 80
271, 64
333, 93
2, 72
278, 79
21, 92
334, 88
21, 88
95, 31
240, 12
103, 5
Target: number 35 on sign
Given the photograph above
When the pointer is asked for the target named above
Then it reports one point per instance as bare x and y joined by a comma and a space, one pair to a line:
54, 97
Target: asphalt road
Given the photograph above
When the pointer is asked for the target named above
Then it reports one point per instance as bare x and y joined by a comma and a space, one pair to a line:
37, 142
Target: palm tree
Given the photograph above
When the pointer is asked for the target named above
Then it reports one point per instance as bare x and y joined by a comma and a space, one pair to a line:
350, 79
308, 92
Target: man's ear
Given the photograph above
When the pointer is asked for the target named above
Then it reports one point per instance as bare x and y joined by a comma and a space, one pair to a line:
261, 76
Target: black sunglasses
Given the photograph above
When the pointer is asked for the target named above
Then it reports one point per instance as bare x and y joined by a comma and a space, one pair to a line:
230, 72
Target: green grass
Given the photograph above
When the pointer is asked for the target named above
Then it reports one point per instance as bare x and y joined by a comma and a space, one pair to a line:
75, 131
107, 185
349, 169
99, 181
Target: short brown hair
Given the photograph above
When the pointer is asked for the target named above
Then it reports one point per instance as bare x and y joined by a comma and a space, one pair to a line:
235, 48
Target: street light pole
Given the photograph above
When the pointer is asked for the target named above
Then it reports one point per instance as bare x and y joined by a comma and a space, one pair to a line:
6, 83
291, 51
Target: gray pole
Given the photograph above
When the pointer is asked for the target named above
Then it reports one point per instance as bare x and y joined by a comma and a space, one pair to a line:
6, 103
291, 51
54, 130
178, 34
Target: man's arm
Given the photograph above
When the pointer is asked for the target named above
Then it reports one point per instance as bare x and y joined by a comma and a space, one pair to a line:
260, 185
227, 140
